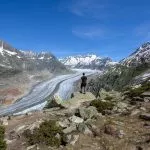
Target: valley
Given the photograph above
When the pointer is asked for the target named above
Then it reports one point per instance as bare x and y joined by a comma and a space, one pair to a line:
41, 102
61, 84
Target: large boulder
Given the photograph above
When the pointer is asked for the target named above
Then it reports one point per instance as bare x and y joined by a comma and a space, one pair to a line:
75, 119
146, 94
87, 113
55, 101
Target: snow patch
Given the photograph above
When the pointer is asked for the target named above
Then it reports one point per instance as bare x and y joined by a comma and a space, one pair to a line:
9, 52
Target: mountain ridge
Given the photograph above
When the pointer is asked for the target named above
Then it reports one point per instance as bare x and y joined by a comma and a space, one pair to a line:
89, 61
18, 60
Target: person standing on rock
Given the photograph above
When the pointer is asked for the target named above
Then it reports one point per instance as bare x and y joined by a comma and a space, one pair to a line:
83, 83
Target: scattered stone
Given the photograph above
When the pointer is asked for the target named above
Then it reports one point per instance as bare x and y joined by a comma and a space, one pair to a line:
135, 112
147, 125
96, 131
108, 112
58, 136
114, 131
74, 139
145, 116
31, 147
13, 135
84, 129
146, 94
36, 124
121, 134
146, 99
20, 128
138, 99
87, 113
64, 124
122, 105
56, 101
67, 138
4, 121
86, 104
70, 129
75, 119
110, 129
143, 108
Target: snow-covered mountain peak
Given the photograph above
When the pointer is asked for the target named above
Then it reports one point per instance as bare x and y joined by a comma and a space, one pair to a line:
82, 59
19, 61
141, 55
6, 49
91, 61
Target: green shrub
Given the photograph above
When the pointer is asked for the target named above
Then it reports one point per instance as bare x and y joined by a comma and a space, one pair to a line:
109, 98
45, 134
138, 91
102, 106
2, 142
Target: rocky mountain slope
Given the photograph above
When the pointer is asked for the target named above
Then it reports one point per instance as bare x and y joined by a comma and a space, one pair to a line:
132, 70
114, 121
140, 56
88, 62
21, 70
13, 61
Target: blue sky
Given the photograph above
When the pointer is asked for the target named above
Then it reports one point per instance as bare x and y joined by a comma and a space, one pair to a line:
111, 28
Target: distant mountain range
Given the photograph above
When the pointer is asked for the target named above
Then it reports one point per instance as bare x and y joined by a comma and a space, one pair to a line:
13, 61
88, 61
134, 67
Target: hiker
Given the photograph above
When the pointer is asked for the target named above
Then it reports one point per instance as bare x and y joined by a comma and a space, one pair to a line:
83, 83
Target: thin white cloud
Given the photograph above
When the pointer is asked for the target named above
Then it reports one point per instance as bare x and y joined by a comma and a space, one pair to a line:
89, 32
87, 8
97, 32
143, 30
